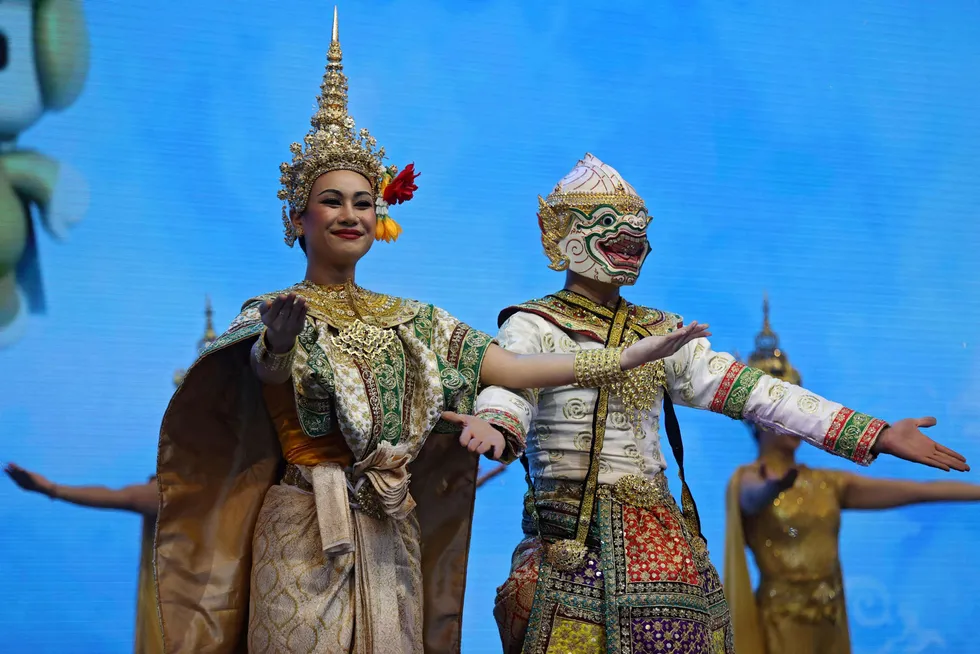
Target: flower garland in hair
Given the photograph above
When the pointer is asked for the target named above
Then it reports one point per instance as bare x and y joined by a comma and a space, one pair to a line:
396, 187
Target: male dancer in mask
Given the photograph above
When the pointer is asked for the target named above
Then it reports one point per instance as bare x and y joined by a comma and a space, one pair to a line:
610, 563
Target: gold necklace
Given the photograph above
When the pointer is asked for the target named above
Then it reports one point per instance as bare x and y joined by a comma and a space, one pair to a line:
359, 316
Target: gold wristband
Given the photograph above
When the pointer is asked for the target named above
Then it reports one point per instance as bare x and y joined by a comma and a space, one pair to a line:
598, 368
270, 360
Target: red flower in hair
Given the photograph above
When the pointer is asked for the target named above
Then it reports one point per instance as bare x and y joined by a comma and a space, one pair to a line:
402, 188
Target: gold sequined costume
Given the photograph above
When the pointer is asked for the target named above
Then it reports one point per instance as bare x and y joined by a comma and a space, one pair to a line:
149, 639
799, 605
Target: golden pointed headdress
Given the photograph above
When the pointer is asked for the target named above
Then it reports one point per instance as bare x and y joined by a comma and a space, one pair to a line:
768, 357
333, 144
590, 184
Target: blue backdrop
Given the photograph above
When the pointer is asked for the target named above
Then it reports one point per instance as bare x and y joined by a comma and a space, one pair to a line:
824, 152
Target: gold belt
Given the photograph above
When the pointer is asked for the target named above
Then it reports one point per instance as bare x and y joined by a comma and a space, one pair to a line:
363, 497
632, 490
641, 492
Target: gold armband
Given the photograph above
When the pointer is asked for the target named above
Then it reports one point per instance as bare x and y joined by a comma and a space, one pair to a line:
270, 360
598, 368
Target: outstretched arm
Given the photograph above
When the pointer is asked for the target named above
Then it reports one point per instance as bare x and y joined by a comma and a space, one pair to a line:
512, 411
702, 378
866, 493
137, 498
510, 370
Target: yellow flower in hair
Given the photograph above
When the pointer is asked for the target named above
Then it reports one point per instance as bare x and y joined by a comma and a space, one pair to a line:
387, 230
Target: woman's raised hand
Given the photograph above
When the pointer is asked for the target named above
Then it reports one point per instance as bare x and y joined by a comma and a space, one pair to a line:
284, 318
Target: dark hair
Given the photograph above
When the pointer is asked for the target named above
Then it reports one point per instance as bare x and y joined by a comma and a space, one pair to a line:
302, 244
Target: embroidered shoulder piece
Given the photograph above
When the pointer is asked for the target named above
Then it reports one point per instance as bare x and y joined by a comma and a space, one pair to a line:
575, 313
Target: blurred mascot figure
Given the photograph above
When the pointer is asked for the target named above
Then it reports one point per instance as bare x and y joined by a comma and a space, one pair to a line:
44, 60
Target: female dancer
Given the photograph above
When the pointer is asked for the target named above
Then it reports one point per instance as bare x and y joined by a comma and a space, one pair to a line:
789, 516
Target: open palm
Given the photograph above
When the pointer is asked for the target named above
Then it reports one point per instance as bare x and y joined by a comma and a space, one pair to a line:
905, 440
284, 319
653, 348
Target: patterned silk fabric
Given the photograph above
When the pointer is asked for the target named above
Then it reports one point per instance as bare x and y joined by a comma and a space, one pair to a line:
794, 541
330, 559
556, 423
646, 586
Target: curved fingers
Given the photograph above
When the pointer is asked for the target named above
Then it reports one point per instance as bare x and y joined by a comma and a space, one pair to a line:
950, 462
498, 450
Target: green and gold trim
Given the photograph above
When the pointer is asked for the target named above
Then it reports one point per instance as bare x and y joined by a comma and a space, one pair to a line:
578, 314
733, 393
507, 423
852, 435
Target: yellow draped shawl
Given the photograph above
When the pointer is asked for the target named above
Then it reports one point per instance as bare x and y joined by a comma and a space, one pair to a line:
749, 638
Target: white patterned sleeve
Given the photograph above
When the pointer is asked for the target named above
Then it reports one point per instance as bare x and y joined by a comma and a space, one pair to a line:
701, 378
512, 411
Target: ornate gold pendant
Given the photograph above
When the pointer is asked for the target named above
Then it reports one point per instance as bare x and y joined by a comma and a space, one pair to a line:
638, 389
634, 490
366, 342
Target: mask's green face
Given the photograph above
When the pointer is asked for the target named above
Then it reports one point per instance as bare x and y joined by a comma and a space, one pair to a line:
607, 245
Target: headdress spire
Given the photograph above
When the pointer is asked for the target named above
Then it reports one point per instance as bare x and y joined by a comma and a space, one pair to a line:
333, 144
767, 355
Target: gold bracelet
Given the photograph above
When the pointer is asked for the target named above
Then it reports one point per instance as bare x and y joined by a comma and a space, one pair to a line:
272, 361
598, 368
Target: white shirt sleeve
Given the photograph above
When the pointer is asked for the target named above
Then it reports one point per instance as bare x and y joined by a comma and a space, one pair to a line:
701, 378
509, 410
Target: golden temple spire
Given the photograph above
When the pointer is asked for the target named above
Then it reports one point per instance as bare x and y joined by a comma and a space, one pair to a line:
209, 337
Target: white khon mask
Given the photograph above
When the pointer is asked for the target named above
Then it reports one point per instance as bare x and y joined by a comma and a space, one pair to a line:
595, 224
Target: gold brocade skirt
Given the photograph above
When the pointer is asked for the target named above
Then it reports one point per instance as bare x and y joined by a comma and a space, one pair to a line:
305, 602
